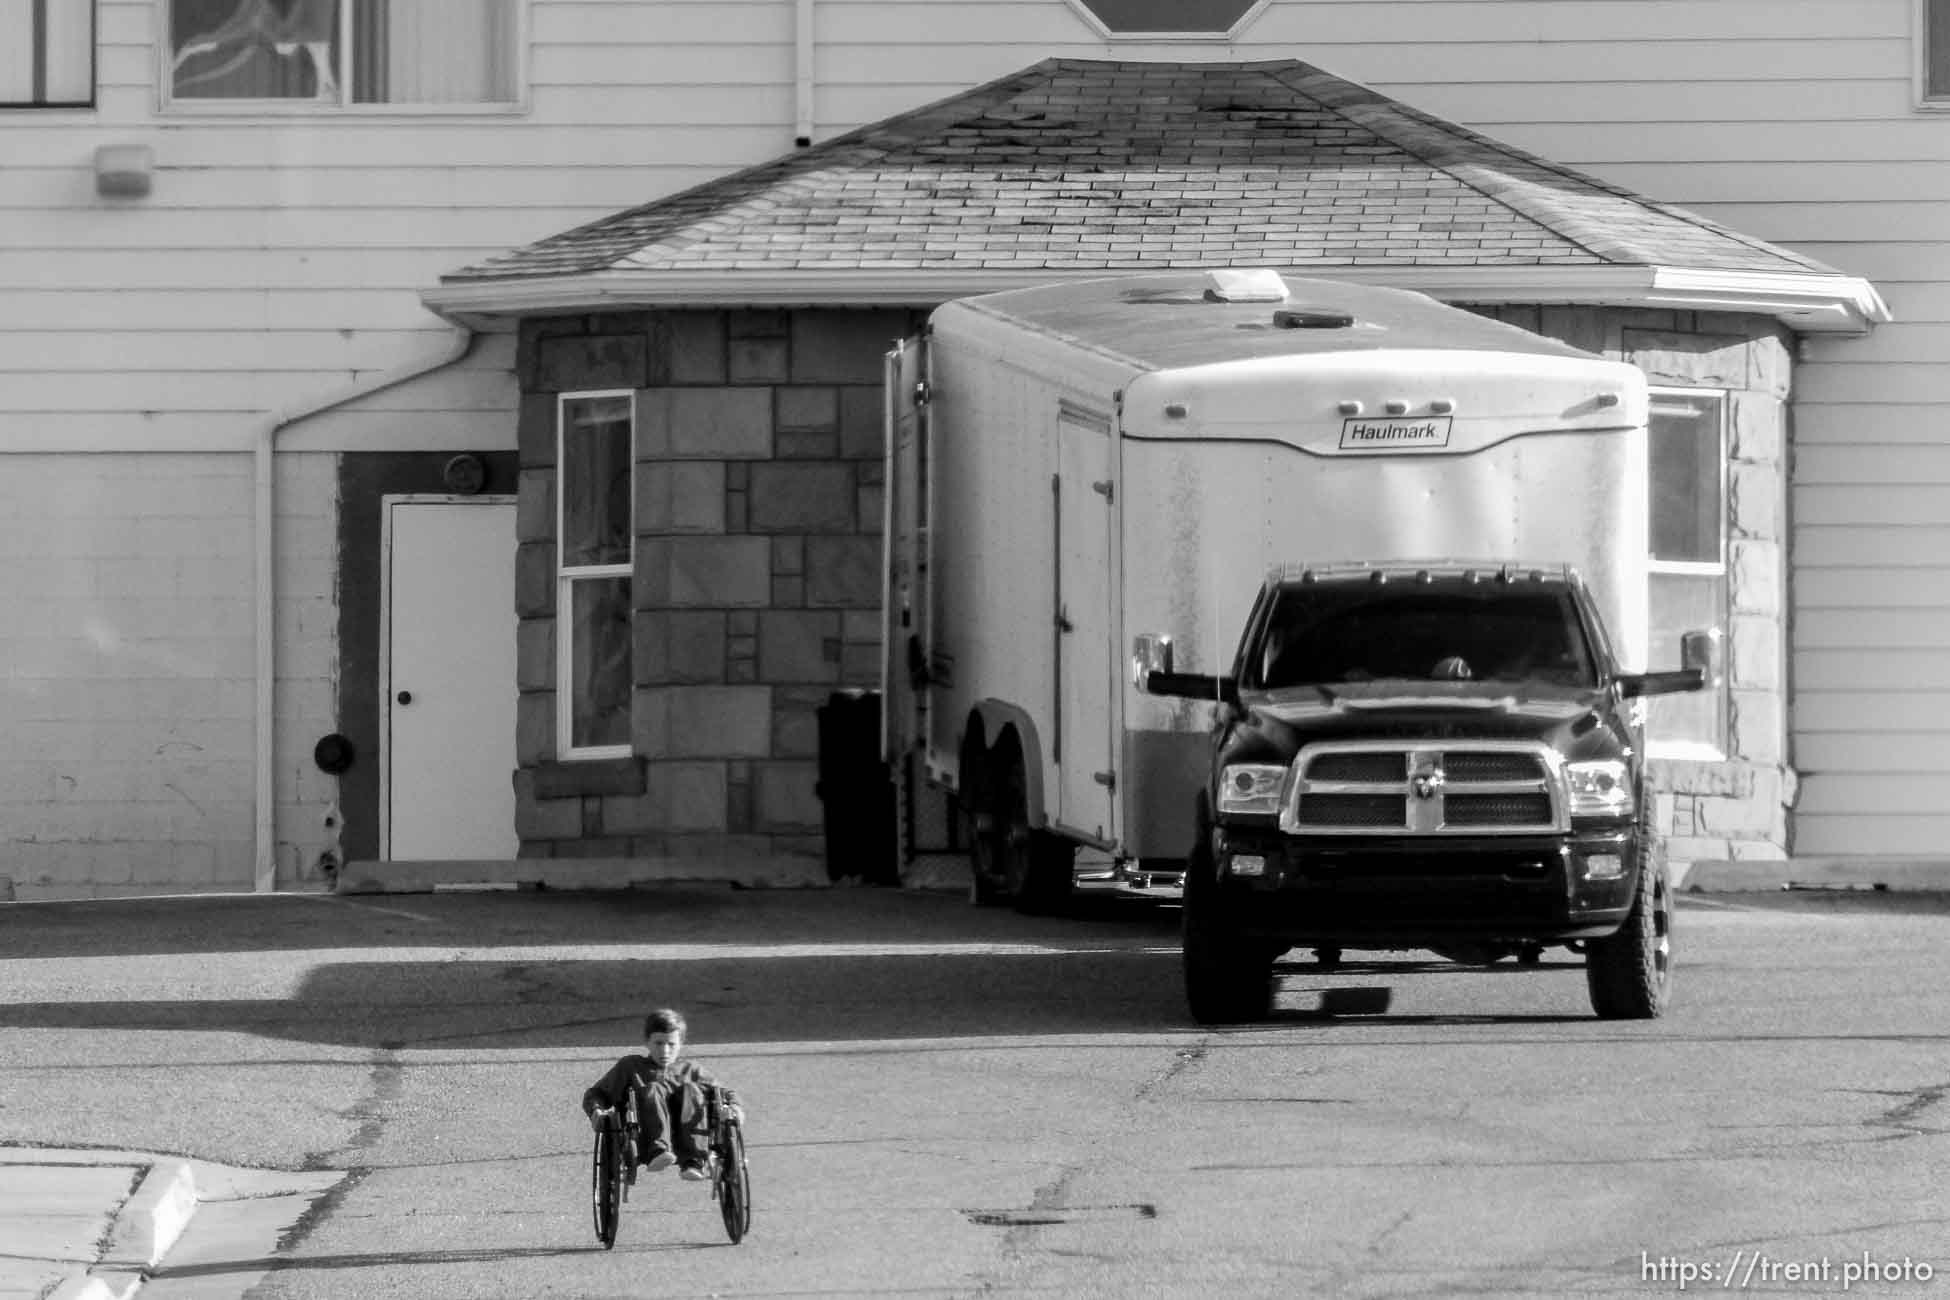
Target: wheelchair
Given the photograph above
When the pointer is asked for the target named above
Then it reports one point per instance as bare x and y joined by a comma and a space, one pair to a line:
613, 1169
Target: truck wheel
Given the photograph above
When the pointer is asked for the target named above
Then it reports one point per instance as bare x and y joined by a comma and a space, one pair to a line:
1038, 868
1227, 978
1630, 972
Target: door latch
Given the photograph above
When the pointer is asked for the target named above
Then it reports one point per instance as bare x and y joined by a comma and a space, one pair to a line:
1108, 780
1063, 623
1104, 488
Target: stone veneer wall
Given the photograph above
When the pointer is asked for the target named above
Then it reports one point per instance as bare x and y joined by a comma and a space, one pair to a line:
757, 586
1740, 808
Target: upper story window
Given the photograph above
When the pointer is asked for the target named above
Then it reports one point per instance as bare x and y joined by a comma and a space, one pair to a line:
1932, 39
1156, 18
55, 66
1689, 525
343, 53
595, 531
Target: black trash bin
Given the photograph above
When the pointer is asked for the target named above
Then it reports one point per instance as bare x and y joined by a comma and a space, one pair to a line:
856, 791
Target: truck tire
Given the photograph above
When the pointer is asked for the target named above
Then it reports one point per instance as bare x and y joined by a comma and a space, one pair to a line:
980, 826
1227, 978
1037, 867
1630, 972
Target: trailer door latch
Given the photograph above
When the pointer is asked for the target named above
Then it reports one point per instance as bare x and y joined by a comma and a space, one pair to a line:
1108, 780
1103, 488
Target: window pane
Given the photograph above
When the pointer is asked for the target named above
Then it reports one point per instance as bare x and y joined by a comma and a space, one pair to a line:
254, 49
599, 659
1686, 478
1684, 603
595, 481
47, 56
433, 51
1125, 16
1937, 21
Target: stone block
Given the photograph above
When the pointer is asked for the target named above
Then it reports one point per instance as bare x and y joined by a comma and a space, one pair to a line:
1754, 653
1697, 777
704, 423
680, 496
535, 654
799, 646
713, 571
844, 346
535, 580
843, 571
860, 666
1590, 328
807, 410
1771, 365
704, 722
693, 796
1740, 818
696, 341
808, 498
536, 426
806, 446
1755, 577
1756, 728
795, 720
599, 361
863, 423
1755, 497
535, 506
534, 331
555, 820
1688, 360
534, 728
598, 777
756, 361
679, 646
786, 797
757, 323
1757, 426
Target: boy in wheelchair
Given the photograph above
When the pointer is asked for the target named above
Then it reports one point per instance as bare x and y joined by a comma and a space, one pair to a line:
670, 1099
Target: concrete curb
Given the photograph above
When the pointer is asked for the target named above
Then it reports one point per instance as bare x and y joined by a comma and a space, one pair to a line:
146, 1226
362, 877
1751, 876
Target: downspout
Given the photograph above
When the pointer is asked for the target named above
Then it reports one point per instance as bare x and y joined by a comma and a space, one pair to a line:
265, 597
802, 35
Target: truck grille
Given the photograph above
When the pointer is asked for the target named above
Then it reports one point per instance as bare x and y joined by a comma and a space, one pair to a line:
1494, 787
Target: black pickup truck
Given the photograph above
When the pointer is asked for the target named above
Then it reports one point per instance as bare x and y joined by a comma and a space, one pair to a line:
1437, 758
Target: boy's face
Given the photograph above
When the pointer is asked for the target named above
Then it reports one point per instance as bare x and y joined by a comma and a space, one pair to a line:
663, 1047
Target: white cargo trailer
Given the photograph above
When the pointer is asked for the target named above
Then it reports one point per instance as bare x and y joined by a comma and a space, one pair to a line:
1084, 472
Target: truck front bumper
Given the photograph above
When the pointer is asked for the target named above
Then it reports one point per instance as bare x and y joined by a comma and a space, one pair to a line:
1409, 892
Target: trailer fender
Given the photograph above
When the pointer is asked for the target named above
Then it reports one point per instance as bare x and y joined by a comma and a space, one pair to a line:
994, 717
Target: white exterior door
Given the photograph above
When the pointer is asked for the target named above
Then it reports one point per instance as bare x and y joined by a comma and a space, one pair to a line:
449, 688
1086, 802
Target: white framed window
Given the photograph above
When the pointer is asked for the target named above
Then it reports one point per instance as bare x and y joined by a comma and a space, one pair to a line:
595, 553
1687, 439
1930, 41
1176, 20
54, 66
342, 54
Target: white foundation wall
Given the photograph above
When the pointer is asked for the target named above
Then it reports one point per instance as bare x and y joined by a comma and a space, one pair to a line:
126, 719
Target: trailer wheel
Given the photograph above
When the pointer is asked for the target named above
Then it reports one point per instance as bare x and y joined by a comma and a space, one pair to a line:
1630, 972
981, 828
1038, 868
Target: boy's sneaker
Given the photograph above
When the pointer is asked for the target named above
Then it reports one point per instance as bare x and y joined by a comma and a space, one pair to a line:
695, 1173
659, 1159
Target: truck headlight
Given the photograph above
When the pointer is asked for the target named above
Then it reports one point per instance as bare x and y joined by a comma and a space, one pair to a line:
1251, 788
1599, 789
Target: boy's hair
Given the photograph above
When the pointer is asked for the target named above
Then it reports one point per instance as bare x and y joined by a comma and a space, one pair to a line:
663, 1021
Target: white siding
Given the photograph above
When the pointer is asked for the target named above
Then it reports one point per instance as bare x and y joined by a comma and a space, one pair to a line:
279, 258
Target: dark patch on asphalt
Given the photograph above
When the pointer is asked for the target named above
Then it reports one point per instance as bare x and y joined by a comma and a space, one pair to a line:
1053, 1216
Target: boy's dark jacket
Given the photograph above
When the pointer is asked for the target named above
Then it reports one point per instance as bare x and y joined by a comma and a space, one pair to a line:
613, 1089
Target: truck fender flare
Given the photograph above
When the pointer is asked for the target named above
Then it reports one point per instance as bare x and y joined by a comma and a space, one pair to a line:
997, 716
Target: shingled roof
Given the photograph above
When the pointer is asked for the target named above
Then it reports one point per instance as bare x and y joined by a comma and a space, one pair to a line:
1094, 166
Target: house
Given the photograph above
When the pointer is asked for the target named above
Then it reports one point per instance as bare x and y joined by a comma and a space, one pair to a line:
347, 347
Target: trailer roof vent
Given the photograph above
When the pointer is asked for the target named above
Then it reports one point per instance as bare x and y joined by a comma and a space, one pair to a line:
1254, 284
1313, 318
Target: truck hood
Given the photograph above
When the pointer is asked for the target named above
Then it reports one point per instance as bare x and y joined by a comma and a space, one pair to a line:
1505, 710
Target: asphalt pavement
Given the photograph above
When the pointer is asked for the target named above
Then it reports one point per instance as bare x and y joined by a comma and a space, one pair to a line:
105, 1224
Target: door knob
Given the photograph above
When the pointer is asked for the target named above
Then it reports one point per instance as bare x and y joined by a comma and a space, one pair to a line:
406, 697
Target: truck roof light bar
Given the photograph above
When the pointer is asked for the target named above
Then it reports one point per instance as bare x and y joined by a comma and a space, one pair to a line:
1427, 571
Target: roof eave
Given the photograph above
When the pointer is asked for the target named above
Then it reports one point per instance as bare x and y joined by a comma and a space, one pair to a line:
1812, 302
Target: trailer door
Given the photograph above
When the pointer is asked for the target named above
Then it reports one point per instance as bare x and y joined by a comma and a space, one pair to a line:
904, 558
1086, 781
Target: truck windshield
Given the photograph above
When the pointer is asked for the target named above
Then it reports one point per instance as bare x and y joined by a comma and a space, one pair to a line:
1326, 634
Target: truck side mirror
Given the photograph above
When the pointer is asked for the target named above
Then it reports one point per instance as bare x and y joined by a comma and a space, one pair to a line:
1701, 649
1150, 653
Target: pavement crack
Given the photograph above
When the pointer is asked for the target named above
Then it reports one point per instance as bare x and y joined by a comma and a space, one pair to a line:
1906, 1115
1182, 1060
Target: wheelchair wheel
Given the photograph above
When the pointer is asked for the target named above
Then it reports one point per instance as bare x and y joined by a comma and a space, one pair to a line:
734, 1183
606, 1183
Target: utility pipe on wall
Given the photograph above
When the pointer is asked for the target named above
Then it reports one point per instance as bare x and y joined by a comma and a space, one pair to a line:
802, 34
265, 597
